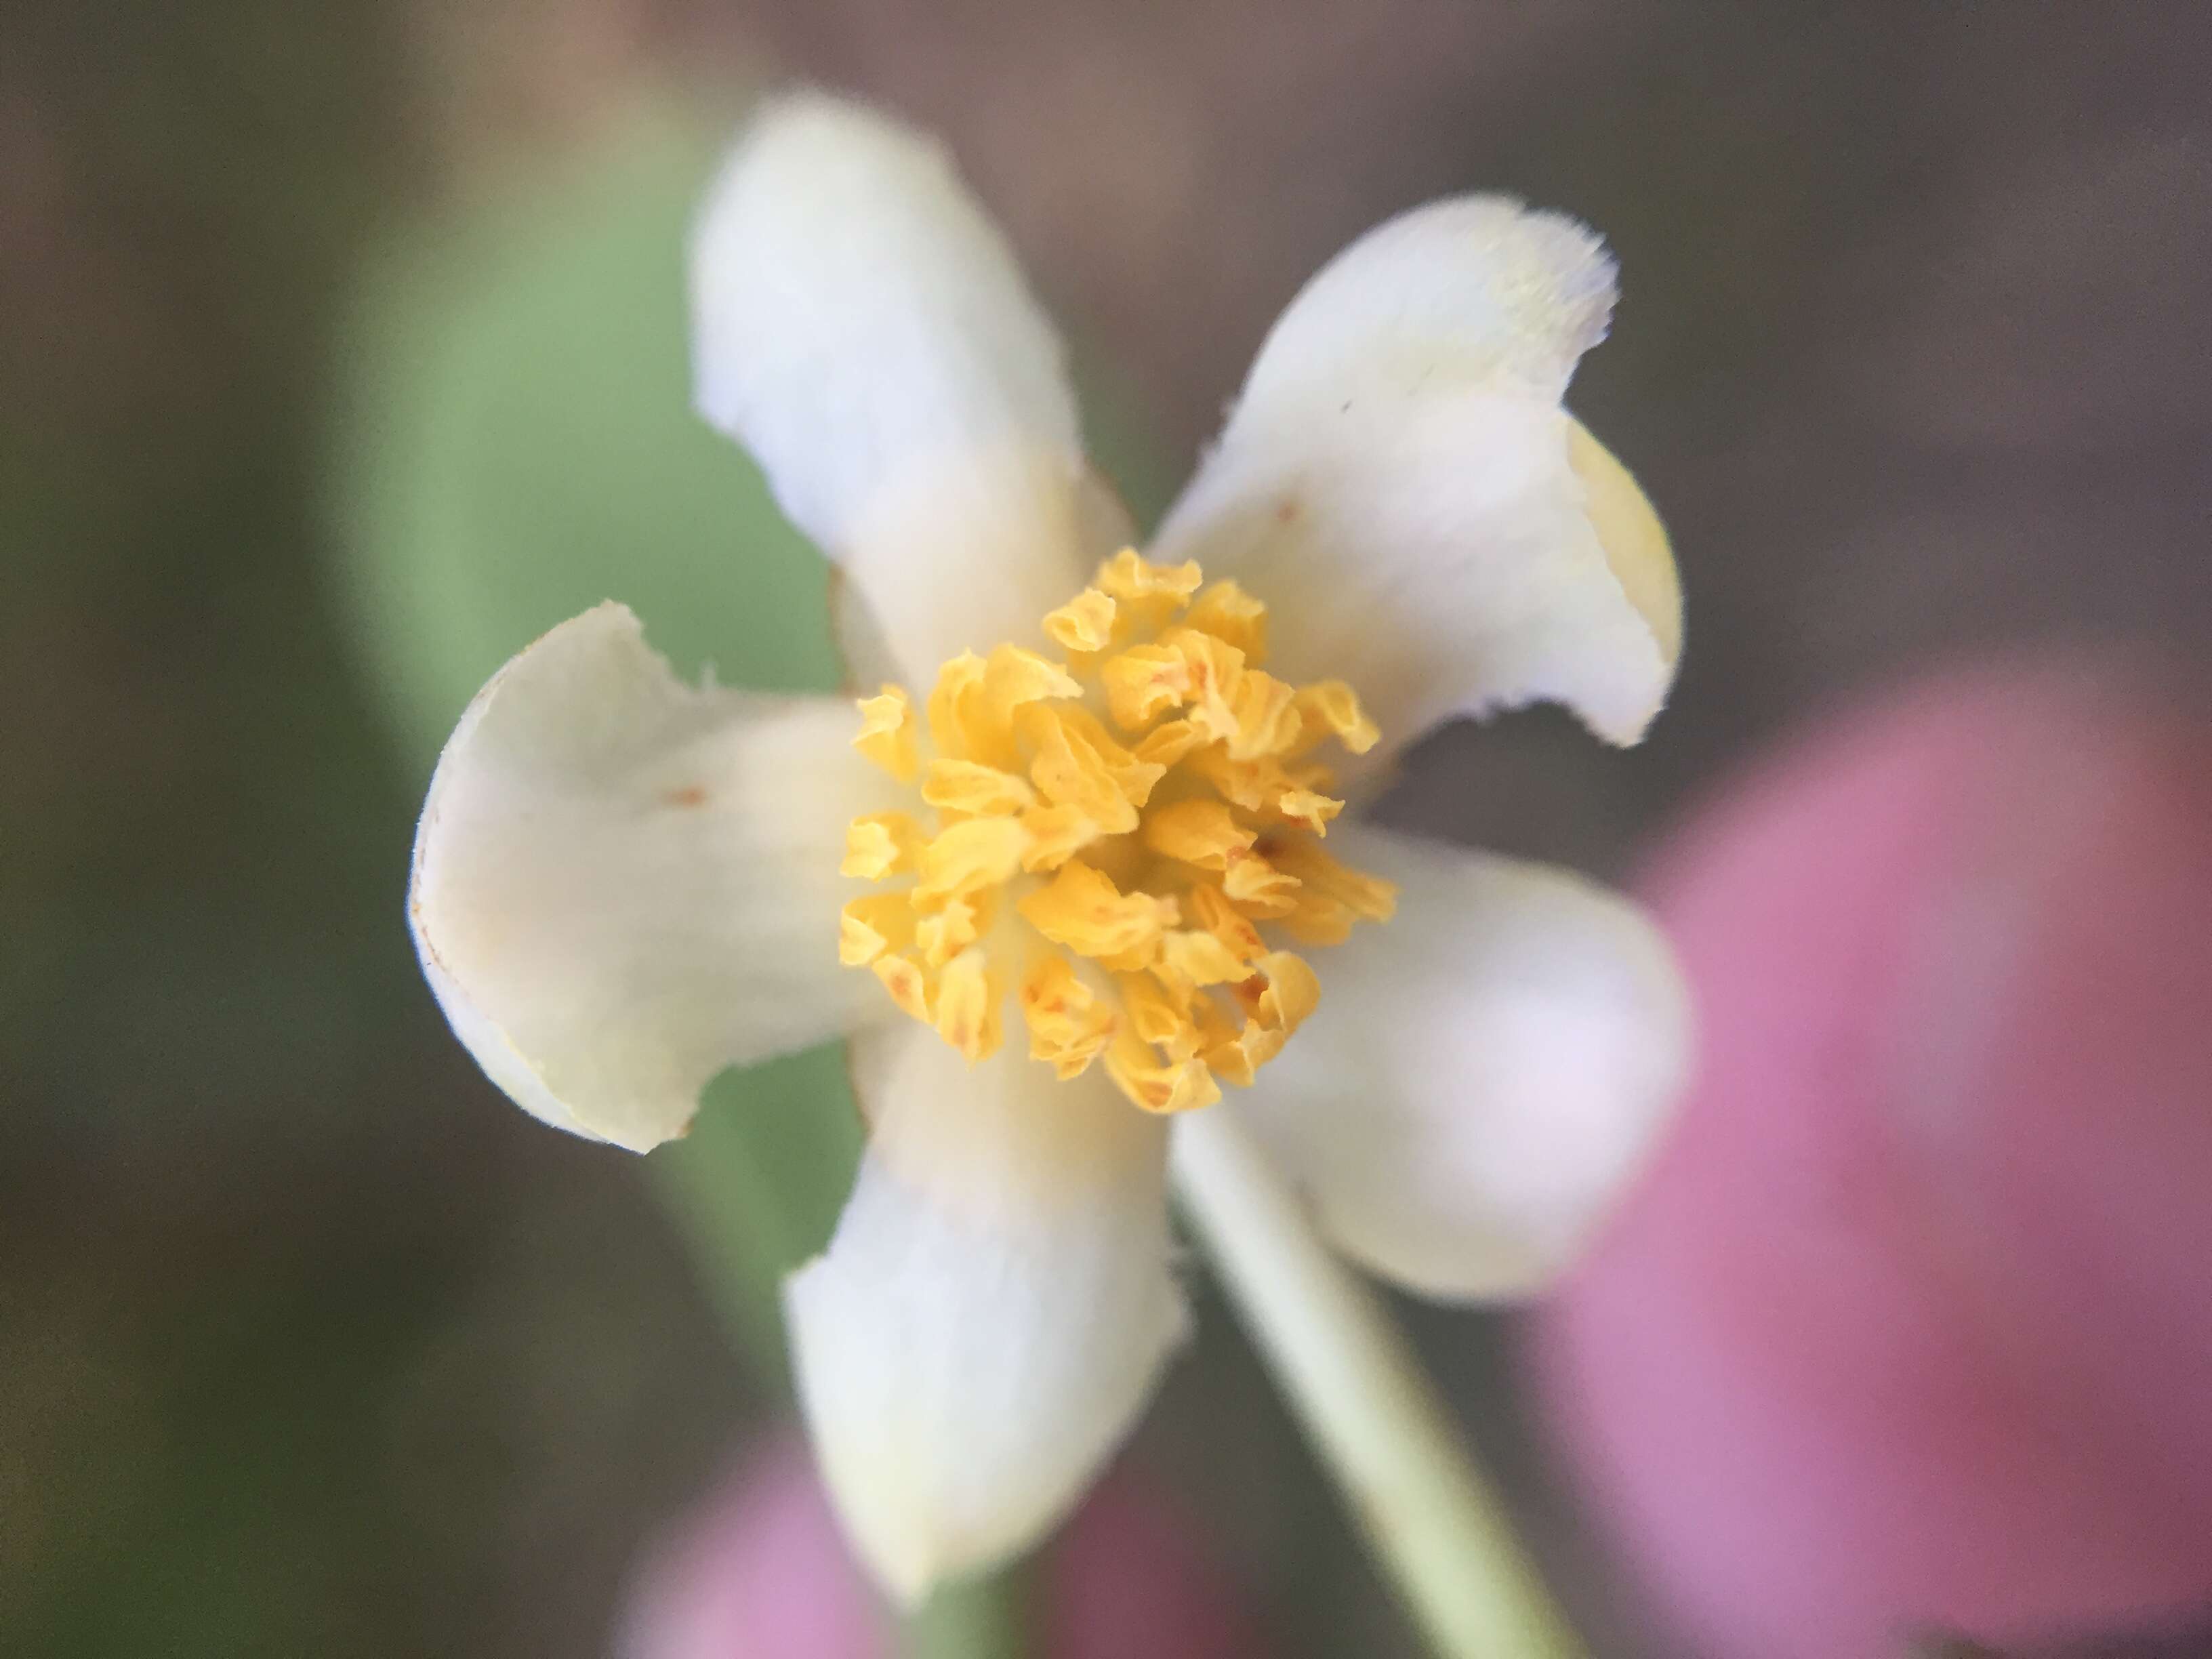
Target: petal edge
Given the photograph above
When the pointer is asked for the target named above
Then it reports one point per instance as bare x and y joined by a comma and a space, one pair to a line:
993, 1311
621, 883
1485, 1073
1398, 481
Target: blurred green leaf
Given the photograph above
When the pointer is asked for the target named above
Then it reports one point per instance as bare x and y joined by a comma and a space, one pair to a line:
518, 445
760, 1179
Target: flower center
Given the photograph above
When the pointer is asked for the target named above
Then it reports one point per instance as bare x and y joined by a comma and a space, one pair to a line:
1127, 883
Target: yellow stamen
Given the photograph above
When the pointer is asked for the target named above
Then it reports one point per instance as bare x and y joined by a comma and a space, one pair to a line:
1197, 831
1211, 909
1012, 676
1365, 896
1151, 591
1331, 708
1291, 993
868, 926
909, 989
887, 734
1085, 623
942, 934
879, 845
1069, 1024
1178, 1085
1257, 784
1197, 959
1239, 1057
973, 853
1167, 743
1153, 851
1056, 834
959, 786
1251, 714
1258, 888
968, 998
1076, 764
1316, 918
955, 715
1084, 910
1143, 682
1308, 809
1229, 614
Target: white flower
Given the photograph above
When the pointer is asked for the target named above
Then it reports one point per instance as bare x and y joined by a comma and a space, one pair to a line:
623, 884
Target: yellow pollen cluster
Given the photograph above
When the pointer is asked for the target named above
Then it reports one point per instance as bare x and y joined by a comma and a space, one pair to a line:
1109, 835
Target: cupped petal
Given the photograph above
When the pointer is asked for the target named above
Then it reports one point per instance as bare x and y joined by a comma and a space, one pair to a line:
1485, 1072
1398, 481
993, 1309
622, 883
862, 328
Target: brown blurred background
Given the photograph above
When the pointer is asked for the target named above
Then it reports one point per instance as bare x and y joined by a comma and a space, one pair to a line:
308, 1345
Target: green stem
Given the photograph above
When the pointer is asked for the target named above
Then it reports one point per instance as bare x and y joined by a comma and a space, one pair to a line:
981, 1618
1432, 1524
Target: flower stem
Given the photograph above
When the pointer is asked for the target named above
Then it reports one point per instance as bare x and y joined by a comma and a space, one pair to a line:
1433, 1524
980, 1618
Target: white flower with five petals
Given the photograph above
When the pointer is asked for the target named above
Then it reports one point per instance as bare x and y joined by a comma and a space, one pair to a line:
1107, 817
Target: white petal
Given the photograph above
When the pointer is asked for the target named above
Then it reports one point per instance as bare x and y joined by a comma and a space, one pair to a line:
994, 1310
861, 327
1103, 527
1400, 485
623, 884
1485, 1072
